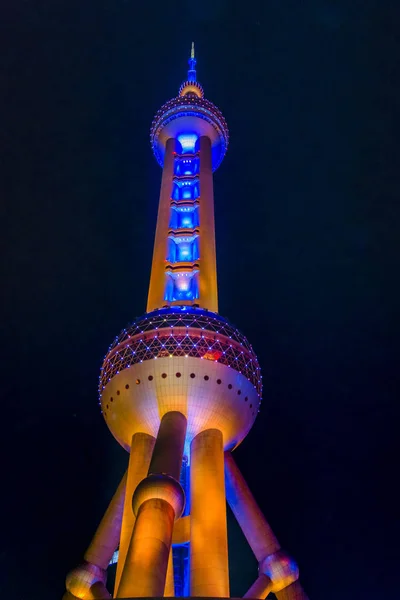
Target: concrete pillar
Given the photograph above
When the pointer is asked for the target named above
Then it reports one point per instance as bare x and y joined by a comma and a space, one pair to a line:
181, 534
158, 500
169, 591
260, 588
168, 450
99, 591
139, 460
247, 512
146, 563
106, 539
292, 592
209, 571
157, 278
208, 263
84, 579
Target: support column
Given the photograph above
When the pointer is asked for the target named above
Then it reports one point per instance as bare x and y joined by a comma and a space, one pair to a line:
157, 278
274, 565
141, 450
292, 592
158, 500
209, 570
99, 591
145, 570
105, 540
169, 591
88, 579
247, 512
208, 263
260, 588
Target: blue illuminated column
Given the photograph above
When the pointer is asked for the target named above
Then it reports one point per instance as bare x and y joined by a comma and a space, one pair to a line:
189, 137
182, 259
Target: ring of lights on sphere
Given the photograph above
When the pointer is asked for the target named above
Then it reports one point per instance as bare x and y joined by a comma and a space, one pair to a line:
191, 87
192, 114
182, 359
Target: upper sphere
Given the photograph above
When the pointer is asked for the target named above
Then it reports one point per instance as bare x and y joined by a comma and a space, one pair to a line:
190, 116
187, 115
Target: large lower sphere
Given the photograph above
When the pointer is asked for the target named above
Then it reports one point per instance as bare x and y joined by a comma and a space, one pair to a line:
213, 381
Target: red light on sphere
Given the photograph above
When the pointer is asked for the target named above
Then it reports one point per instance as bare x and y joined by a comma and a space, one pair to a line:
212, 355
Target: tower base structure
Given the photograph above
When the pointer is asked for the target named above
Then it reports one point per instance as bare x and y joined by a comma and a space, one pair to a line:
158, 502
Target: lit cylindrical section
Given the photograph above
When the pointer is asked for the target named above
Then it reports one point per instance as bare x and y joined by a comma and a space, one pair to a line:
181, 534
139, 460
106, 539
169, 591
157, 278
260, 588
168, 451
146, 563
99, 591
247, 512
209, 571
292, 592
158, 500
208, 263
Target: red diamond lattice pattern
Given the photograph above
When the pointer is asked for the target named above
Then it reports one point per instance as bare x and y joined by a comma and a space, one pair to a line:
181, 335
183, 319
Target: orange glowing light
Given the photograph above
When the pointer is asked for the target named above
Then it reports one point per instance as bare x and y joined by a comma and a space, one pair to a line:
212, 355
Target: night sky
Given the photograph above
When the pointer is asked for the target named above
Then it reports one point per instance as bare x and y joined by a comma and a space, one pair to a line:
307, 218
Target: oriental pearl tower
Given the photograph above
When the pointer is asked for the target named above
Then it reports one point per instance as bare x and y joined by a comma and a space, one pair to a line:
180, 389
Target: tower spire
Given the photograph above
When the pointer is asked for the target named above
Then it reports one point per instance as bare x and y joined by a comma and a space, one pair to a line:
191, 85
192, 65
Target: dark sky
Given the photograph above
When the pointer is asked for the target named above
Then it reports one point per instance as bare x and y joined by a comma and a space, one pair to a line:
307, 214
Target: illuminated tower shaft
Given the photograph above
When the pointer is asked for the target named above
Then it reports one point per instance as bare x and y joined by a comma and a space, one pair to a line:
184, 270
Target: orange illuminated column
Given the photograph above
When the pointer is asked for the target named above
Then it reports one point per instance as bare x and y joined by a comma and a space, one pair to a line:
88, 579
157, 278
277, 571
141, 450
157, 502
209, 574
208, 264
169, 590
292, 592
260, 588
106, 539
